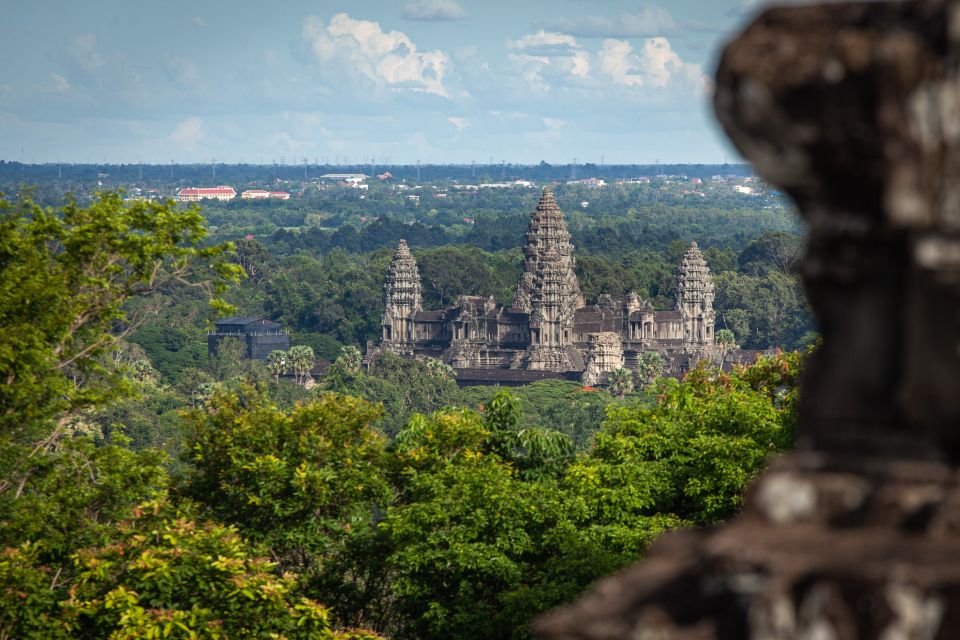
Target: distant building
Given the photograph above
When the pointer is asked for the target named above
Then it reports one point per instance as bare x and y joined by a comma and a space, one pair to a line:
193, 194
261, 194
742, 189
259, 334
549, 330
345, 177
386, 175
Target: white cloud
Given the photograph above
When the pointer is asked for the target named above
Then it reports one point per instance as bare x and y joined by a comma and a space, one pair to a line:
459, 123
434, 10
389, 59
544, 43
656, 64
181, 72
553, 123
198, 22
648, 21
59, 84
189, 133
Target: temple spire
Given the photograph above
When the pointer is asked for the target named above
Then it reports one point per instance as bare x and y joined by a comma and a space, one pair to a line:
548, 289
695, 296
548, 242
402, 296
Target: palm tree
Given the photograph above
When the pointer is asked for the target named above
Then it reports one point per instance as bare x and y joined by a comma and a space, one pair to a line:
621, 382
277, 363
301, 360
650, 367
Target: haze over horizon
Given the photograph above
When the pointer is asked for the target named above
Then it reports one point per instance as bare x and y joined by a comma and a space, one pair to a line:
338, 81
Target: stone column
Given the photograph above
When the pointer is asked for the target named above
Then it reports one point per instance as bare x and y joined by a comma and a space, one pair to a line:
853, 109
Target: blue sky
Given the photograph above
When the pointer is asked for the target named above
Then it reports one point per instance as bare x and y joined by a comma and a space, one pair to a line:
431, 80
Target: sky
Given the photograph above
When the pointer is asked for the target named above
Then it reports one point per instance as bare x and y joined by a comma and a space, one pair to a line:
343, 81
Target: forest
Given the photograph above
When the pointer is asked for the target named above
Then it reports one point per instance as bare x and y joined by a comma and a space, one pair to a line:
147, 490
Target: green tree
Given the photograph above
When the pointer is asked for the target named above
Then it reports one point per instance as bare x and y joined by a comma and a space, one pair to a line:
66, 278
254, 258
301, 361
277, 363
621, 382
650, 367
161, 575
298, 482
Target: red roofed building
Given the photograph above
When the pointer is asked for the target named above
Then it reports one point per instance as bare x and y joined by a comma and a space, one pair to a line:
193, 194
280, 195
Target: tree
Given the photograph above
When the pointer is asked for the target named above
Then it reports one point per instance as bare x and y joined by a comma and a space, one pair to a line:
227, 360
621, 382
305, 483
66, 278
161, 575
277, 363
772, 250
650, 367
301, 361
254, 258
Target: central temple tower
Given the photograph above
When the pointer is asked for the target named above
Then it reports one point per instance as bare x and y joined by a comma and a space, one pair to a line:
403, 299
548, 290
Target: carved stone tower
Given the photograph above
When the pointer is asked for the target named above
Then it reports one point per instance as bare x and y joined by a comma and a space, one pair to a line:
695, 296
403, 298
548, 290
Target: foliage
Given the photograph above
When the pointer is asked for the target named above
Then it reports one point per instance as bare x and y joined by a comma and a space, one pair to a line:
300, 359
692, 453
161, 575
65, 277
621, 382
402, 385
296, 481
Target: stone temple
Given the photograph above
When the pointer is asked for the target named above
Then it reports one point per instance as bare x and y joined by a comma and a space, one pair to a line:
549, 331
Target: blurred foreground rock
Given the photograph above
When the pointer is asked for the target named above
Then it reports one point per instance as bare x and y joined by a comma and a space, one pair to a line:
854, 110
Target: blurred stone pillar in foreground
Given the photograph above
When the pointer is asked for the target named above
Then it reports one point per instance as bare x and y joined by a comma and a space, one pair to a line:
854, 110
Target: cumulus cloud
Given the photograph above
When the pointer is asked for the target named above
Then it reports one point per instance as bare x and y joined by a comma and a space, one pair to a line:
553, 123
655, 64
434, 10
542, 57
181, 72
648, 21
189, 133
386, 58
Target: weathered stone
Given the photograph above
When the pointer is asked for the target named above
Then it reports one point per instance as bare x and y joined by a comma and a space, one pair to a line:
854, 110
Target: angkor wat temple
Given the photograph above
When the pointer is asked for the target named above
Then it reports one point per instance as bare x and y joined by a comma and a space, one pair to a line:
549, 330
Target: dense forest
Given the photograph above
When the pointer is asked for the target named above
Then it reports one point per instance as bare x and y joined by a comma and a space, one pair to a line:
147, 490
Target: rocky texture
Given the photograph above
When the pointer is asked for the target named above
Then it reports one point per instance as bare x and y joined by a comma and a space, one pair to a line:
854, 110
604, 354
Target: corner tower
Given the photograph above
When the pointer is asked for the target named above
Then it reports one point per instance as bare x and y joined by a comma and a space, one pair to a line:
402, 297
548, 290
695, 296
